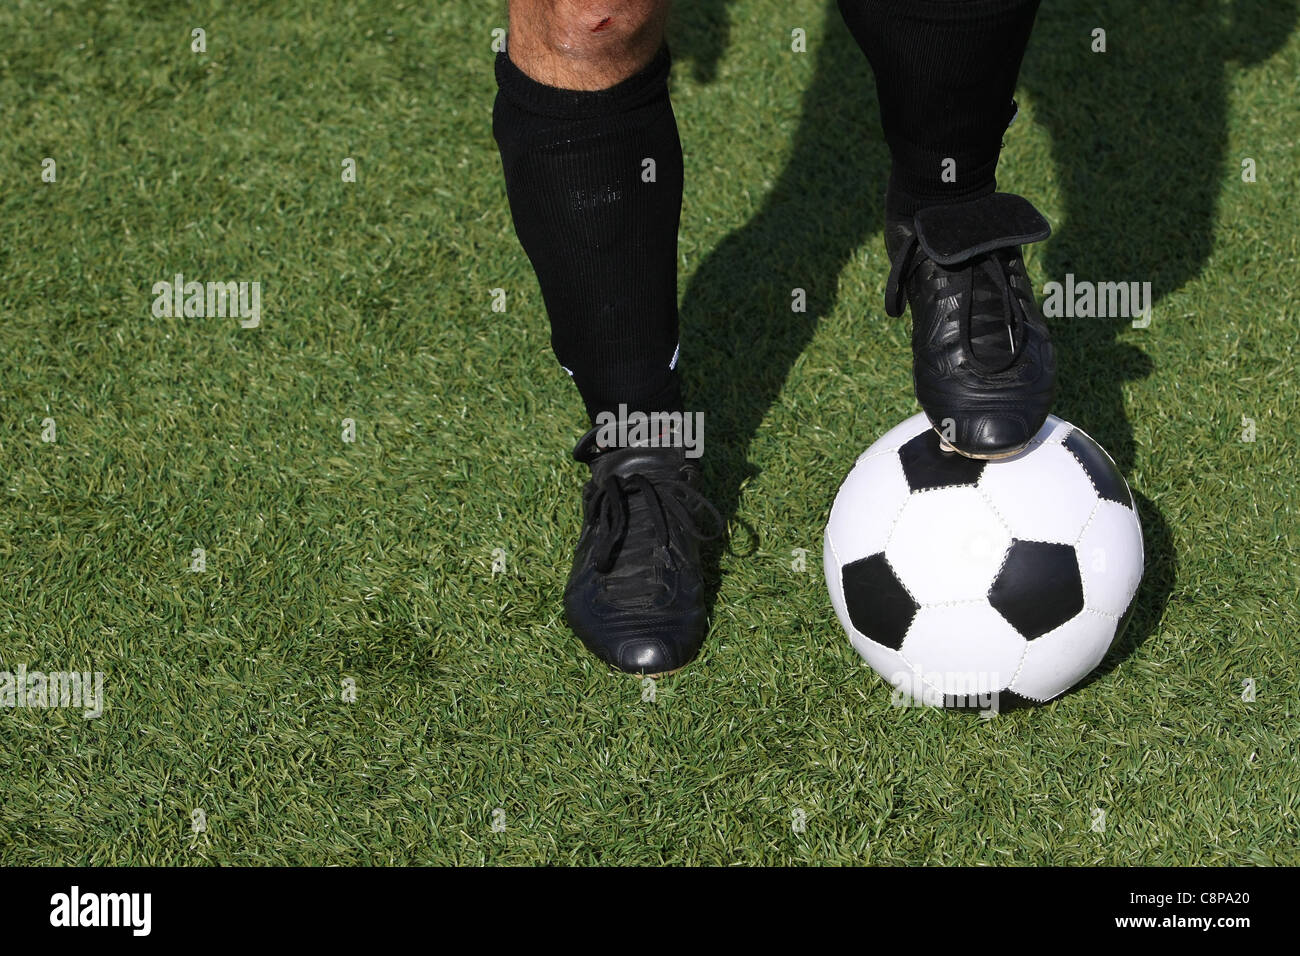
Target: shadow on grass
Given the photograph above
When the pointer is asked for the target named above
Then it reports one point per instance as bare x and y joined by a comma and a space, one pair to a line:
1139, 139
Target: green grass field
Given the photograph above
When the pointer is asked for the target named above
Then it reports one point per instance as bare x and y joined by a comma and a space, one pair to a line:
481, 731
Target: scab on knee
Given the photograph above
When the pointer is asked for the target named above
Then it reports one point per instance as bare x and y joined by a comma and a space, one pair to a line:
585, 29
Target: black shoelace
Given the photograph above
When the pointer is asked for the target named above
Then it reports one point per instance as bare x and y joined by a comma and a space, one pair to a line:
993, 327
664, 497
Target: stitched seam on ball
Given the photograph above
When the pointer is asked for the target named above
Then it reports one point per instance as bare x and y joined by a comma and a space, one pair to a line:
877, 454
839, 578
1087, 524
1020, 665
956, 603
898, 514
1029, 646
899, 578
1006, 525
913, 668
952, 487
988, 593
1083, 468
888, 534
884, 553
1083, 578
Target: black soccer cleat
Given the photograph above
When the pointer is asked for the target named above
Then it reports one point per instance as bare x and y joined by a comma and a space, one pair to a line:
635, 594
982, 358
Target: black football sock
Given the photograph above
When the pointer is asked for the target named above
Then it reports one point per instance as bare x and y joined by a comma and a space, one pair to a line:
945, 75
594, 180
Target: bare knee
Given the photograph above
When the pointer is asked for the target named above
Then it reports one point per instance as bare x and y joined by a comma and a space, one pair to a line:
586, 29
585, 44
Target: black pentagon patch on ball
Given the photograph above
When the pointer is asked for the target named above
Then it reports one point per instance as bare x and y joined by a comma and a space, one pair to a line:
878, 604
927, 466
1105, 475
1038, 588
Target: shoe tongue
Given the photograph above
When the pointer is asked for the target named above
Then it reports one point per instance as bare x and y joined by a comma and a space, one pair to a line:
652, 462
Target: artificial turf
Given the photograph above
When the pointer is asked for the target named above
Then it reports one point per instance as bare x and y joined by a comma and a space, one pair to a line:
481, 731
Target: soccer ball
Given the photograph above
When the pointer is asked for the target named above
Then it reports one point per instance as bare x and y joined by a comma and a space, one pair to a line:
957, 578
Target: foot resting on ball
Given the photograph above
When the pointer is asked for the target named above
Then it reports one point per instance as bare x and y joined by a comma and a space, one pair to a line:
983, 364
635, 595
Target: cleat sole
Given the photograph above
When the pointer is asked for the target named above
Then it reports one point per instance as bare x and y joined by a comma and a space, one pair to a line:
996, 456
